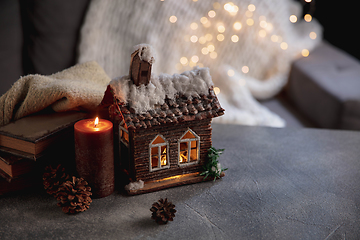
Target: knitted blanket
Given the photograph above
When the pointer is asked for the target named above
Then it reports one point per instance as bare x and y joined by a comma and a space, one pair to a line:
79, 87
248, 48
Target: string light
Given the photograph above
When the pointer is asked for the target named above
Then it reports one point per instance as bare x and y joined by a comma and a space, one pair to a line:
250, 21
245, 69
204, 20
211, 13
173, 19
263, 24
221, 28
208, 37
194, 38
184, 61
220, 37
216, 90
195, 58
202, 40
213, 55
249, 14
230, 72
262, 33
308, 1
274, 38
313, 35
293, 18
283, 45
194, 26
216, 5
234, 38
211, 48
305, 52
237, 26
251, 7
307, 17
205, 50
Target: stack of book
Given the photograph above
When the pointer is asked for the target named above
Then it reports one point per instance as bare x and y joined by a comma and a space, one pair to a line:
30, 143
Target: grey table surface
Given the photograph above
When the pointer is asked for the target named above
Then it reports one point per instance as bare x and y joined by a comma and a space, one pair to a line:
281, 184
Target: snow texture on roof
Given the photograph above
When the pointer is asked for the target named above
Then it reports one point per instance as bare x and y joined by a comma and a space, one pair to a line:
143, 98
146, 52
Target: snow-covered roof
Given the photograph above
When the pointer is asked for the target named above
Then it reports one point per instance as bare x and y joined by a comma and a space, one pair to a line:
143, 98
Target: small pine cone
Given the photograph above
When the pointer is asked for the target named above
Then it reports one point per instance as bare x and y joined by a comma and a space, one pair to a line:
74, 196
163, 211
54, 178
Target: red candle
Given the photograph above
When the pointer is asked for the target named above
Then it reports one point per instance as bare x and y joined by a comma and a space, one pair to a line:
94, 154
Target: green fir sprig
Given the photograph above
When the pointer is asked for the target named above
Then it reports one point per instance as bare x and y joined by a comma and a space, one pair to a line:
212, 168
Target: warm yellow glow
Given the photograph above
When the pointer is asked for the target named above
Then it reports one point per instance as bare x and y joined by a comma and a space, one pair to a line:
205, 50
274, 38
293, 18
251, 7
237, 26
96, 122
204, 20
194, 26
263, 24
269, 26
250, 21
234, 38
211, 48
220, 37
213, 55
313, 35
163, 158
216, 90
262, 33
230, 72
305, 52
211, 13
245, 69
195, 58
183, 60
227, 6
308, 1
262, 18
221, 28
200, 65
183, 158
173, 19
307, 17
194, 38
192, 64
202, 40
283, 45
249, 14
208, 37
216, 5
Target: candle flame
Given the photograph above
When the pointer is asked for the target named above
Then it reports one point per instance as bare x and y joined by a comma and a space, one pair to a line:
96, 122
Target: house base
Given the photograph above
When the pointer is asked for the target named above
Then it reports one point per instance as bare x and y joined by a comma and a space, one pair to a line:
156, 185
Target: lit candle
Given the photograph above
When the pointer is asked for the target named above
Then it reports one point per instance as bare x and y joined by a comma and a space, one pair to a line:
94, 154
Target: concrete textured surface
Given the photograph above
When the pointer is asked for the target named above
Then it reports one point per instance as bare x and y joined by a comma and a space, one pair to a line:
281, 184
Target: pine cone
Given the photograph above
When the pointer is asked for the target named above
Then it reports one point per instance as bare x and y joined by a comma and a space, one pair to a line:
54, 178
163, 211
74, 196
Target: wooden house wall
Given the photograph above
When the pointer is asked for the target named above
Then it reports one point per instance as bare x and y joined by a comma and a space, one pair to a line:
141, 139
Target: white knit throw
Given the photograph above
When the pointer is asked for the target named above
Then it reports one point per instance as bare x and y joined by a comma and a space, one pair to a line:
112, 28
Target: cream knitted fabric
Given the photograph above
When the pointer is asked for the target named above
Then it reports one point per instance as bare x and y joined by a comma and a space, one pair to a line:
79, 87
112, 28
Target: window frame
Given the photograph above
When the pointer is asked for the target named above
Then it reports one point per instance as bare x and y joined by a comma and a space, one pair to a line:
188, 141
159, 145
121, 130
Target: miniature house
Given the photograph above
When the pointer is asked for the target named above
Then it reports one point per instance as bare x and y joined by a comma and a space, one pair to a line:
163, 123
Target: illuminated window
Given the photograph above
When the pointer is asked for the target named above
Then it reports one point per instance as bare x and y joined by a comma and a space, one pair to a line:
159, 156
124, 134
189, 145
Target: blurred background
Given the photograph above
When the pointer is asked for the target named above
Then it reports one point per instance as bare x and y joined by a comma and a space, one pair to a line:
279, 63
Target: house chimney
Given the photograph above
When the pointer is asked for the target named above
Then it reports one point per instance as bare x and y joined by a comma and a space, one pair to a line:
140, 65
